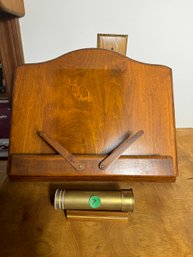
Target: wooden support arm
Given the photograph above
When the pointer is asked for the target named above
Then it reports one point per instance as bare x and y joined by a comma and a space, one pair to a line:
104, 164
70, 158
118, 151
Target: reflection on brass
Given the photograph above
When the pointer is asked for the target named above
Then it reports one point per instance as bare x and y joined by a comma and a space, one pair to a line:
94, 200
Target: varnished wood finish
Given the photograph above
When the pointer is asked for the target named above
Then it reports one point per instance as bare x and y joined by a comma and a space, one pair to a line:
89, 101
117, 43
161, 224
96, 215
11, 52
80, 166
119, 150
14, 7
70, 158
126, 167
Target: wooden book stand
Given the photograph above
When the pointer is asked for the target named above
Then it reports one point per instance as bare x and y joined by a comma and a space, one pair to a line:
93, 114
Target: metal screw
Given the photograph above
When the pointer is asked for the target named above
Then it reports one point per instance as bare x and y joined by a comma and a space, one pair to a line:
81, 166
102, 166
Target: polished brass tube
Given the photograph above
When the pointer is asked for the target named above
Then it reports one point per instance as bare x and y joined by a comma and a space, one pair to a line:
94, 200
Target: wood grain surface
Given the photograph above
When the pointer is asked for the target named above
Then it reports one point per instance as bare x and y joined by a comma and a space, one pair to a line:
89, 101
56, 167
14, 7
96, 215
117, 43
161, 224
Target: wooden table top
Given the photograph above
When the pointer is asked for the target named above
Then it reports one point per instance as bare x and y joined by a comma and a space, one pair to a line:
160, 226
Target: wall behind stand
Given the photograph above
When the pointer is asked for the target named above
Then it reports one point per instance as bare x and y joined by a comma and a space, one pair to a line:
159, 32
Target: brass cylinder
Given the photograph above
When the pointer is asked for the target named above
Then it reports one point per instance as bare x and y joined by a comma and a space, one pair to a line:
94, 200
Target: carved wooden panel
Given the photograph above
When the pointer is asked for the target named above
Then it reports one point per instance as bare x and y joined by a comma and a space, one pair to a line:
89, 101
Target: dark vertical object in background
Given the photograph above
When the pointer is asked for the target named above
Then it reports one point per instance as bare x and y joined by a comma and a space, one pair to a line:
4, 119
11, 56
2, 83
11, 52
5, 113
